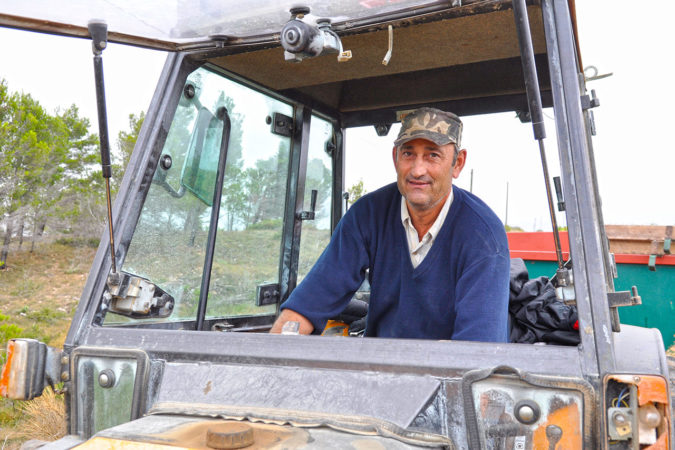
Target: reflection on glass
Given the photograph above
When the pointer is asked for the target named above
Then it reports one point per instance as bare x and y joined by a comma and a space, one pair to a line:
169, 242
316, 233
251, 217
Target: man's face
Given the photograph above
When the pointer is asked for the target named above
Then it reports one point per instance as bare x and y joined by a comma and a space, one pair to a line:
425, 171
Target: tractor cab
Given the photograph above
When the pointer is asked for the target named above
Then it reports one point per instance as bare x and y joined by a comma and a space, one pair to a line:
236, 183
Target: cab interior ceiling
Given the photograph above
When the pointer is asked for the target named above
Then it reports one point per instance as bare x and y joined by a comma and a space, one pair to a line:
468, 64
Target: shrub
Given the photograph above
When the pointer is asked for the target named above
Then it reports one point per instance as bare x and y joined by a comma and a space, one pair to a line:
78, 242
44, 417
269, 224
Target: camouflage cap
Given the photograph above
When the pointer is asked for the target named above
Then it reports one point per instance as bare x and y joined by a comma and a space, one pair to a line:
437, 126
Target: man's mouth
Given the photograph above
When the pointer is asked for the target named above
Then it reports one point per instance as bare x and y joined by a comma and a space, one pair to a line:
418, 183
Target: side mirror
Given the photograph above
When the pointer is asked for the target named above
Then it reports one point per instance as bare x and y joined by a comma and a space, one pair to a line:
31, 365
198, 174
201, 162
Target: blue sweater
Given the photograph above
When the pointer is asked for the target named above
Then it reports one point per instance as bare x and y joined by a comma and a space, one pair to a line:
459, 291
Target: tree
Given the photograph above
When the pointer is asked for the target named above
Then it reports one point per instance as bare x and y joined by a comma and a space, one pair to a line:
356, 191
25, 142
79, 205
47, 162
126, 140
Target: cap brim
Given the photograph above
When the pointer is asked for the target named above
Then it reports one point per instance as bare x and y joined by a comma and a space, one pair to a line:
436, 138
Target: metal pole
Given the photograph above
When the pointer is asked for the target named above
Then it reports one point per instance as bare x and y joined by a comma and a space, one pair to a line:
534, 104
99, 41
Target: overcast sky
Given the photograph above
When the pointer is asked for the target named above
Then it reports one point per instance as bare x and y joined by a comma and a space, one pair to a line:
634, 150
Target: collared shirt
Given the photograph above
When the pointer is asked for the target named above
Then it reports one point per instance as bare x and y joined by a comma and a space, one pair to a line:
419, 248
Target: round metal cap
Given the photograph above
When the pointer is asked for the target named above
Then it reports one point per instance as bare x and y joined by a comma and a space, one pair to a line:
231, 435
106, 378
527, 412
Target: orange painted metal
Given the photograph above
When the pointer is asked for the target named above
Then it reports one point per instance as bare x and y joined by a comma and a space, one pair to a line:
569, 421
651, 388
538, 246
661, 443
6, 370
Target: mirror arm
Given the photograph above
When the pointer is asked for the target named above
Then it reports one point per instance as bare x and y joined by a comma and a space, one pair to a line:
161, 181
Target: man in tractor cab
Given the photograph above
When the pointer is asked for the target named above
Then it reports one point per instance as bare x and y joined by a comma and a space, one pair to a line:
437, 256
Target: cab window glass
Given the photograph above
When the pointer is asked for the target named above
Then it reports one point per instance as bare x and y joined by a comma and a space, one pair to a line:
248, 242
316, 233
169, 244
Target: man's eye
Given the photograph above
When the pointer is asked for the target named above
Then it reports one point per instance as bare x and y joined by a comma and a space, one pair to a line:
435, 155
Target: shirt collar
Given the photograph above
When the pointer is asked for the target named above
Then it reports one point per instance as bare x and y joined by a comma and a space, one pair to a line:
438, 223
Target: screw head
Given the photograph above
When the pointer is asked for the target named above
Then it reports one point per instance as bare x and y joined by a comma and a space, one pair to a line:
619, 419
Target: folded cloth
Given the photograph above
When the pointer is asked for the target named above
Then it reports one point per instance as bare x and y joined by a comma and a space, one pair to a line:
535, 313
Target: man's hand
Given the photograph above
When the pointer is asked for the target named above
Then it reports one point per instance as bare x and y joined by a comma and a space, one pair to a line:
287, 315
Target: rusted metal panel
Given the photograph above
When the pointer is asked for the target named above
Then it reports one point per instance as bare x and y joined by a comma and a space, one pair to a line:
639, 239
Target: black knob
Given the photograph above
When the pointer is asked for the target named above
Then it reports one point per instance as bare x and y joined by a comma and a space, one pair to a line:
299, 10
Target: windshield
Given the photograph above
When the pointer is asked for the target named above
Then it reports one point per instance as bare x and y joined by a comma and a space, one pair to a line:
169, 243
180, 21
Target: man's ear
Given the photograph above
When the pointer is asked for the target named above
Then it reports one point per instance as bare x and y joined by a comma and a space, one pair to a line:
459, 164
393, 155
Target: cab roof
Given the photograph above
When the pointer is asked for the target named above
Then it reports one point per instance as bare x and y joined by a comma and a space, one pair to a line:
459, 55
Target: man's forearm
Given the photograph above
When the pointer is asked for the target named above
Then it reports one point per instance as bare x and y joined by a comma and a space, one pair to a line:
288, 315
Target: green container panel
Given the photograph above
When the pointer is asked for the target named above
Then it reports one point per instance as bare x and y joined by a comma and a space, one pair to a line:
657, 290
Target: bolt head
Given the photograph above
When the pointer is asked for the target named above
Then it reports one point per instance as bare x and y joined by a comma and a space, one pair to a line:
64, 376
106, 378
526, 413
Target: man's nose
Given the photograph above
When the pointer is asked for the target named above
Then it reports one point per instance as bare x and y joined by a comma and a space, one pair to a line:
418, 168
